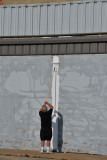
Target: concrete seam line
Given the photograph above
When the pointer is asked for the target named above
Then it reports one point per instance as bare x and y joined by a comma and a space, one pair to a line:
8, 157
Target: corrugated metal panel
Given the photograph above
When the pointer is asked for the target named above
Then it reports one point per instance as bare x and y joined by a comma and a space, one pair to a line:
54, 46
86, 17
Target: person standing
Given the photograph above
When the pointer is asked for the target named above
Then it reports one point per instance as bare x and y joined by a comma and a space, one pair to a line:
46, 126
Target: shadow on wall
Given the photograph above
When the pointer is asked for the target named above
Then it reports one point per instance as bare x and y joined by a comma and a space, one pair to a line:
58, 134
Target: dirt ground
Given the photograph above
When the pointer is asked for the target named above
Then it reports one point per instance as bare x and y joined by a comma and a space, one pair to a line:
58, 156
19, 158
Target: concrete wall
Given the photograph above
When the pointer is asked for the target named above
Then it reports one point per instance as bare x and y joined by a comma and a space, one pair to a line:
11, 2
24, 82
83, 103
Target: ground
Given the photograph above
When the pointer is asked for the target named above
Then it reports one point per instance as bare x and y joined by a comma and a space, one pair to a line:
19, 158
6, 154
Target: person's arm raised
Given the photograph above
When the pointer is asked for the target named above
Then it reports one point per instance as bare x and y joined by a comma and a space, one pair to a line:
48, 104
40, 110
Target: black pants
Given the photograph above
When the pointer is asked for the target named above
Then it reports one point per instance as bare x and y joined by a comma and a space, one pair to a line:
46, 134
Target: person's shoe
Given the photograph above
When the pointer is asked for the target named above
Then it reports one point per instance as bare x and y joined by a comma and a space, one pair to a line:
42, 150
48, 152
48, 149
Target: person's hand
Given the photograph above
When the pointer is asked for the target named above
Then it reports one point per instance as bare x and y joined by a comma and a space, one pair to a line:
40, 109
45, 102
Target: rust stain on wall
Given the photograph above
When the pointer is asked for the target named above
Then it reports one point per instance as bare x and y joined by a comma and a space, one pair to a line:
24, 131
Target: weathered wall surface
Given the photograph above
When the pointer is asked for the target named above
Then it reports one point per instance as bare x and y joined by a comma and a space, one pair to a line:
83, 103
11, 2
24, 82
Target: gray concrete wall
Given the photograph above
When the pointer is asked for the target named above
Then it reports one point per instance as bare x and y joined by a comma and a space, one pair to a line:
83, 103
24, 82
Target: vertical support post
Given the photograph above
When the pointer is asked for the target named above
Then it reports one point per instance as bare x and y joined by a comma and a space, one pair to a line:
55, 101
